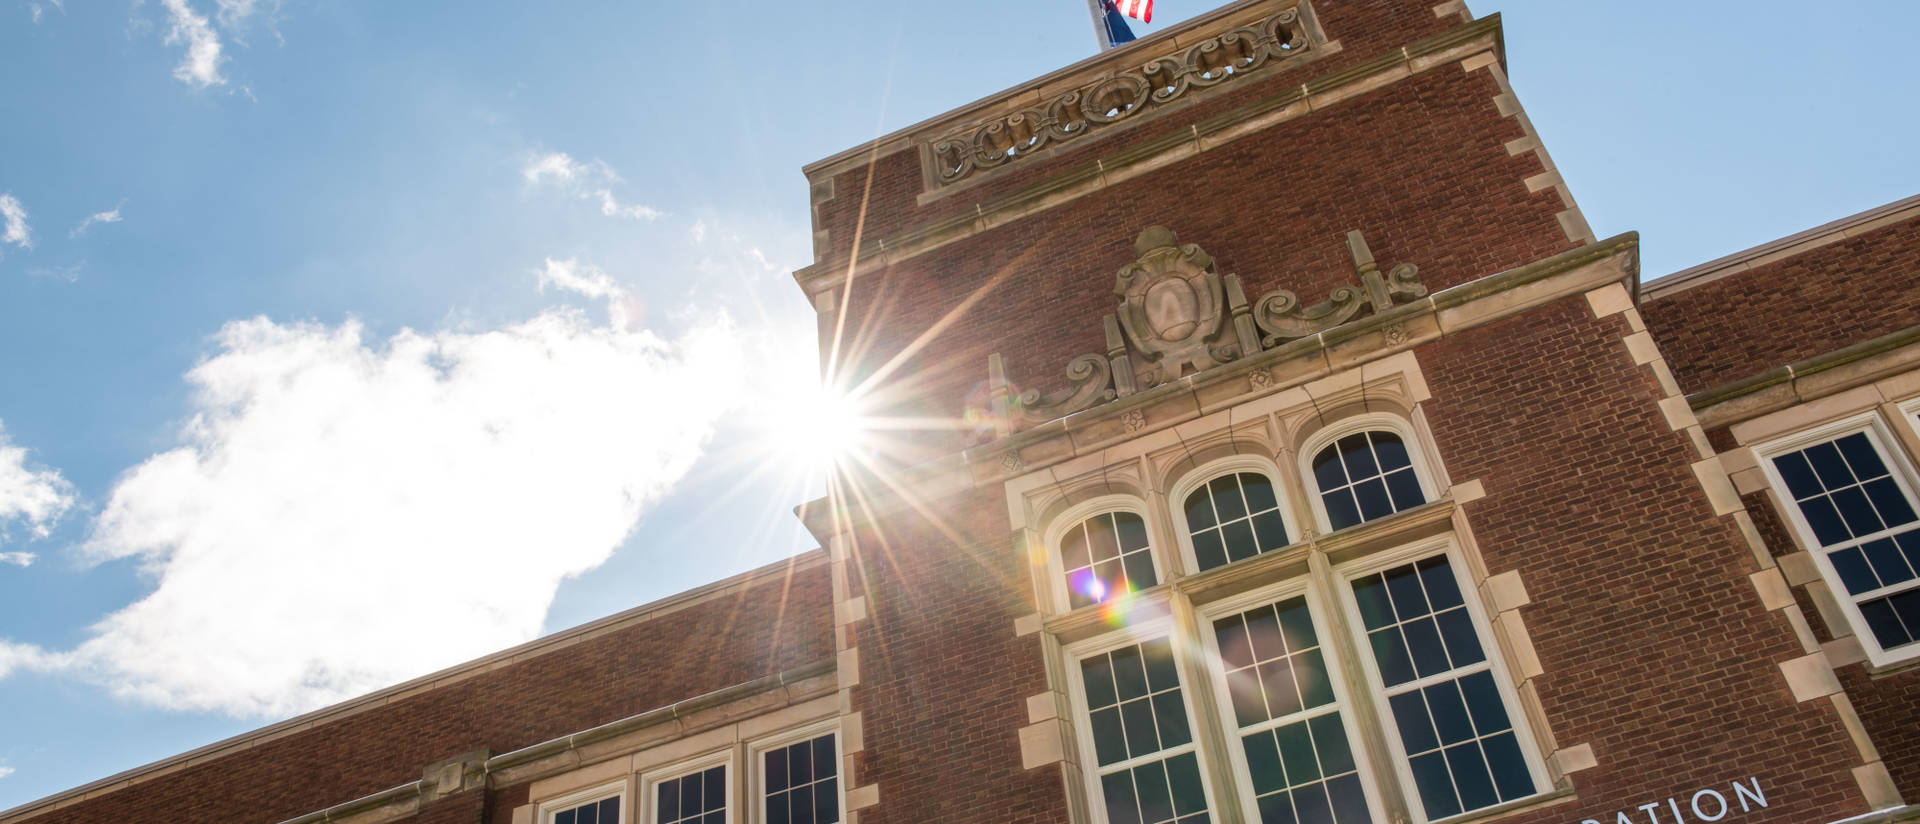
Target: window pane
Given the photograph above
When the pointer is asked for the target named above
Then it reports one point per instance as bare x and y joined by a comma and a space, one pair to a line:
1825, 521
1342, 511
1150, 787
1423, 640
1100, 534
1483, 703
1235, 649
1310, 671
1208, 550
1121, 806
1372, 495
775, 774
1199, 510
1857, 512
1109, 741
1390, 450
1887, 561
1259, 490
1470, 777
1349, 800
1271, 530
1416, 731
1855, 574
1798, 474
1240, 542
826, 801
1509, 767
1140, 571
1171, 715
1129, 672
1405, 488
1296, 754
1390, 653
1330, 740
1860, 456
1277, 809
667, 801
1449, 713
1276, 680
1226, 498
1296, 624
1326, 469
1159, 659
1310, 805
1829, 466
1263, 627
1249, 704
1436, 788
1409, 598
1137, 718
1463, 644
1891, 503
1183, 774
1263, 762
1132, 531
1357, 455
565, 817
1371, 593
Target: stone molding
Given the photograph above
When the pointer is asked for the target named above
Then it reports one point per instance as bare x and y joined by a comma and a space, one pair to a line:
1808, 379
980, 148
1176, 313
1797, 243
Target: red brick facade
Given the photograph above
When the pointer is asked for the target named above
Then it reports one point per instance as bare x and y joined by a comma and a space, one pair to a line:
1587, 446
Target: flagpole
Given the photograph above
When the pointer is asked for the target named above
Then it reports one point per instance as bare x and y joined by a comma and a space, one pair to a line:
1097, 8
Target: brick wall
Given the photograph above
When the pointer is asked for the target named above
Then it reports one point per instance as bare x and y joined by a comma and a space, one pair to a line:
1656, 650
734, 638
1805, 305
1419, 167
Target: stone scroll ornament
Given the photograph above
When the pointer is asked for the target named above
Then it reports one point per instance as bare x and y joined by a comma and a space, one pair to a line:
1177, 315
1109, 100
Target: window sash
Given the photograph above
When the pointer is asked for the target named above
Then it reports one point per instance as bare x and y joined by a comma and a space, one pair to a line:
1390, 722
1096, 773
1790, 506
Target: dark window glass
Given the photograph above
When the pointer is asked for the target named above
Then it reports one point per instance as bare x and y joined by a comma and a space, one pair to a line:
810, 794
1233, 518
1116, 559
1456, 732
689, 799
1866, 521
1364, 476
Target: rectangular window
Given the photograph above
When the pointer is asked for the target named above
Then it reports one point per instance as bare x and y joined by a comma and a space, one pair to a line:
800, 782
1454, 730
1148, 768
695, 798
1859, 514
598, 811
1289, 722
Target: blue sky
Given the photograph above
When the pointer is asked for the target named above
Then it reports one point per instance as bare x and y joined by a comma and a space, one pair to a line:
329, 323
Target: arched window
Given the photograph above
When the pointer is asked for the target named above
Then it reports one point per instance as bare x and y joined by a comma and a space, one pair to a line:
1234, 517
1104, 556
1366, 475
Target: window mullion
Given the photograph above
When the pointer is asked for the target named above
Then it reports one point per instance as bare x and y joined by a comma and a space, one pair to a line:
1341, 646
1209, 738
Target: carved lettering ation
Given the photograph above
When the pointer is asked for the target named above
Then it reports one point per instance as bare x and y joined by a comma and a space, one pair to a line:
1704, 805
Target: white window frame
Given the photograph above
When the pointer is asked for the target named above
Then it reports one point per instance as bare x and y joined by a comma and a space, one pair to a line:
1078, 514
547, 810
1898, 467
1416, 453
1332, 639
1203, 475
1355, 630
756, 760
1083, 717
650, 781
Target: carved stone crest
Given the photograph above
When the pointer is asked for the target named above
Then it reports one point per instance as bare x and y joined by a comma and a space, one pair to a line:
1170, 304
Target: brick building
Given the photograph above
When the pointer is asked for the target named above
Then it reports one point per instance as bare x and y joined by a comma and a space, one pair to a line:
1355, 480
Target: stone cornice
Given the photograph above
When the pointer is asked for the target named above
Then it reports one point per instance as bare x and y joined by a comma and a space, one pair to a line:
1038, 89
1807, 379
1206, 135
1797, 243
1402, 328
410, 689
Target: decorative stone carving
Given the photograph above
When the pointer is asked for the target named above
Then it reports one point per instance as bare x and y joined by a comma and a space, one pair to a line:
1280, 315
1170, 305
1177, 315
1161, 80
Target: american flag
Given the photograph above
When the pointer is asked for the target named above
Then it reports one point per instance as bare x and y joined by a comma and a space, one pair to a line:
1141, 10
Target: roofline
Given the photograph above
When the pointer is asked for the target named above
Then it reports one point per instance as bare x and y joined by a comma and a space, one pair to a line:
431, 681
1125, 55
1786, 247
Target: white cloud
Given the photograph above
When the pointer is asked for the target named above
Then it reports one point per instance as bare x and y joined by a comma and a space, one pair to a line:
19, 559
111, 216
201, 66
587, 181
342, 514
15, 229
584, 278
68, 273
5, 771
29, 497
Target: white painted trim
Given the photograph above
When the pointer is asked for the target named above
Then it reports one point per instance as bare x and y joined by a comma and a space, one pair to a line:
545, 811
651, 779
1899, 468
1489, 644
1331, 638
1204, 474
1184, 661
757, 800
1372, 421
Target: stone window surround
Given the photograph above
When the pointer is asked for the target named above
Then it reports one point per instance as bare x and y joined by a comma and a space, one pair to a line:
756, 806
1417, 451
547, 810
1175, 458
1221, 467
649, 783
1837, 608
735, 744
1196, 719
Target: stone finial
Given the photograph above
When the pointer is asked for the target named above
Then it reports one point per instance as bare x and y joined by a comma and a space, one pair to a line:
1154, 237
